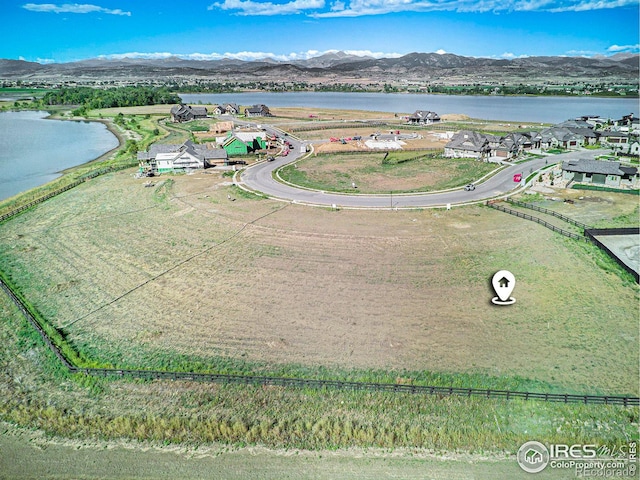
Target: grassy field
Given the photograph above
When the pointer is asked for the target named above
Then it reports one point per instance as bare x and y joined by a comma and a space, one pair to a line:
244, 430
157, 276
378, 173
180, 276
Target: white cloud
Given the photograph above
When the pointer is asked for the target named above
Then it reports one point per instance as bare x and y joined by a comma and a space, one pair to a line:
246, 55
624, 48
356, 8
72, 8
441, 51
249, 7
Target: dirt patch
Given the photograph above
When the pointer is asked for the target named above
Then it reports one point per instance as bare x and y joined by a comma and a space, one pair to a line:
26, 454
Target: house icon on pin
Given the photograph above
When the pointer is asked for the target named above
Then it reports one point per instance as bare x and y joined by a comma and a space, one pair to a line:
504, 282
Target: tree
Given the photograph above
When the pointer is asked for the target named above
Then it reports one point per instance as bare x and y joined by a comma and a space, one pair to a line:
131, 147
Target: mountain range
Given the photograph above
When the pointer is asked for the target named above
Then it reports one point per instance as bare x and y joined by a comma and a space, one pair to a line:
337, 67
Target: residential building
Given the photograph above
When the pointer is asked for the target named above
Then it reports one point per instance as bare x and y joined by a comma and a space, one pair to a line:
257, 111
243, 142
424, 117
185, 113
163, 158
560, 137
231, 109
628, 123
468, 144
600, 172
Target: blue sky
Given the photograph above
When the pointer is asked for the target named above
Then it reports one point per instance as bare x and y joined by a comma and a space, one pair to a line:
290, 29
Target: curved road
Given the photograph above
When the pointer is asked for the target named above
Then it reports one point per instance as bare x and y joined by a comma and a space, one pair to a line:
259, 178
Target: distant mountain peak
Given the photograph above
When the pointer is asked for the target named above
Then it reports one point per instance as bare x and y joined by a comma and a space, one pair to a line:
422, 66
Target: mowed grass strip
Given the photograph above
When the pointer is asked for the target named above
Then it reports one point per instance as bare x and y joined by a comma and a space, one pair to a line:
37, 394
380, 173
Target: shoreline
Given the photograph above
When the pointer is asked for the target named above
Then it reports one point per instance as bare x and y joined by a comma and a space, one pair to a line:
104, 156
60, 174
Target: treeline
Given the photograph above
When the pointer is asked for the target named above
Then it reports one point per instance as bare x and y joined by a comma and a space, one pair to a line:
91, 98
600, 90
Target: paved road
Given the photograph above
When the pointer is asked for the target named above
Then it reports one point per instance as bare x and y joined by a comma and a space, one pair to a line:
259, 178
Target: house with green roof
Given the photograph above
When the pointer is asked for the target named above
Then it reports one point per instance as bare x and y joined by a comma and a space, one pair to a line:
243, 143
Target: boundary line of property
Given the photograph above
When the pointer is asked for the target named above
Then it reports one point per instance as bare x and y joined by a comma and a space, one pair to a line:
588, 232
60, 190
549, 212
550, 226
591, 234
312, 383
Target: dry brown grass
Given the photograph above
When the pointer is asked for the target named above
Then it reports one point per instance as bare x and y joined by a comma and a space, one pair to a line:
397, 290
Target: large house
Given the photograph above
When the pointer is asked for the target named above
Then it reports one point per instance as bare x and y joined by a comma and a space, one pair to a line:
226, 108
628, 123
424, 117
599, 172
560, 137
618, 140
184, 113
257, 111
468, 144
512, 145
163, 158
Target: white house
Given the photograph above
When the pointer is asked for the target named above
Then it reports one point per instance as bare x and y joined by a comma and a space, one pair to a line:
179, 158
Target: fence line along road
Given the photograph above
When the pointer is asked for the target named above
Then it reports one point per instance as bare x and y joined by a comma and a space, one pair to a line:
313, 383
550, 226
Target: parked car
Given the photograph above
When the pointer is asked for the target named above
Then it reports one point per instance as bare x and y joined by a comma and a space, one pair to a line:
270, 158
470, 187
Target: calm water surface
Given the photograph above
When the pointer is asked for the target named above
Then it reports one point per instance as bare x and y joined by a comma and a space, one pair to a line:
518, 109
33, 149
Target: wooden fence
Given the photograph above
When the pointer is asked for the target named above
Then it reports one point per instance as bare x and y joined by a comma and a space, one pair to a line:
337, 125
626, 401
590, 234
60, 190
550, 226
549, 212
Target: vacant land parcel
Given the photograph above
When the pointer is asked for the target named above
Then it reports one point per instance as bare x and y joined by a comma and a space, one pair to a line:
179, 275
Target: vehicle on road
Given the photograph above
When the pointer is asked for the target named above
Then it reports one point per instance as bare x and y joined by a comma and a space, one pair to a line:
270, 158
469, 188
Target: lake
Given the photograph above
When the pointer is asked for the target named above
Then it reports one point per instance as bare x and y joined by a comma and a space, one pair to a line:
34, 150
513, 109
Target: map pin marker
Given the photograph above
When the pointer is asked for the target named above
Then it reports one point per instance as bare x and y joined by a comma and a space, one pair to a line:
503, 283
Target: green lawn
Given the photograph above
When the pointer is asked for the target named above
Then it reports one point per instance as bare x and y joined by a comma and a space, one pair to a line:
377, 173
